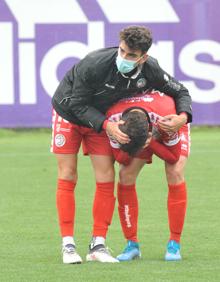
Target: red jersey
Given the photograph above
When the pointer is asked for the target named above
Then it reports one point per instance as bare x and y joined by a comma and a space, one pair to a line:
157, 105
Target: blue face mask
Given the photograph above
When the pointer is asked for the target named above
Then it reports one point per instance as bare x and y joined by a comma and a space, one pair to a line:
125, 66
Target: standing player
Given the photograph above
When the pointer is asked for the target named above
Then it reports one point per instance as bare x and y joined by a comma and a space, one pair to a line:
80, 102
132, 110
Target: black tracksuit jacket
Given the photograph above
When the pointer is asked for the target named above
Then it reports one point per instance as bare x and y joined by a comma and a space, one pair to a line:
94, 84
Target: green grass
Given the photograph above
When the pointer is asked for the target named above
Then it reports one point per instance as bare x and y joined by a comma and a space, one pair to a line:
29, 235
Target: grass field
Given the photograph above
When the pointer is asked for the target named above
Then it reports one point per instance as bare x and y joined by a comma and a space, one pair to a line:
29, 236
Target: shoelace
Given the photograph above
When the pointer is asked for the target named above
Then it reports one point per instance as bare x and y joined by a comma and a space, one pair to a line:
105, 250
69, 250
172, 248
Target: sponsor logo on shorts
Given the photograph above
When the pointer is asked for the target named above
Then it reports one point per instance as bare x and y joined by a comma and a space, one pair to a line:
60, 140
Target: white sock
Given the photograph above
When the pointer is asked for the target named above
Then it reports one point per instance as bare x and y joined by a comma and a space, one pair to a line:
99, 240
68, 240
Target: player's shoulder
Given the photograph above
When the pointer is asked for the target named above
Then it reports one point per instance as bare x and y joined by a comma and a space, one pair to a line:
103, 51
151, 62
151, 68
102, 55
159, 96
97, 63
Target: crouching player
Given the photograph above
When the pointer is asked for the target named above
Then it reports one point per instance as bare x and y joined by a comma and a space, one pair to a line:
133, 111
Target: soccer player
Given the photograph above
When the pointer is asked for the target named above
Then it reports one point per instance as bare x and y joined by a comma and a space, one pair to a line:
146, 138
80, 102
132, 112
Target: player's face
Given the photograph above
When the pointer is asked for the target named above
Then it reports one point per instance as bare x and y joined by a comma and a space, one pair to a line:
131, 55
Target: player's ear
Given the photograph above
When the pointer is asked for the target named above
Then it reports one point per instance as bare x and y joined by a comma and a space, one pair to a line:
144, 58
147, 143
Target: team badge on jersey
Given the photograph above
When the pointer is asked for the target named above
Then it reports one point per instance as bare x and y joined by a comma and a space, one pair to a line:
141, 82
60, 140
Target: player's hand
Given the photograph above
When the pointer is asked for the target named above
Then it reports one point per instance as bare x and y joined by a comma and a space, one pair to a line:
113, 131
172, 123
147, 143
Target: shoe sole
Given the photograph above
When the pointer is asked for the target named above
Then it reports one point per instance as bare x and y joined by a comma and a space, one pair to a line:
72, 262
134, 258
90, 258
177, 259
172, 257
78, 262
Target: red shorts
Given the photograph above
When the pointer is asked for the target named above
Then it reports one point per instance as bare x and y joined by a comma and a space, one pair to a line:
67, 138
124, 158
185, 140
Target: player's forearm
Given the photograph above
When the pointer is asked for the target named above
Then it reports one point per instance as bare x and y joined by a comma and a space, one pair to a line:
181, 96
169, 154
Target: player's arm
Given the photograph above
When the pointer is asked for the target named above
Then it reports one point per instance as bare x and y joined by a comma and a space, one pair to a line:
169, 154
165, 145
75, 93
82, 100
172, 123
165, 83
80, 104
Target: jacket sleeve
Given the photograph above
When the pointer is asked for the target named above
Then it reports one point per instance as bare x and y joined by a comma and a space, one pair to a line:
78, 100
165, 83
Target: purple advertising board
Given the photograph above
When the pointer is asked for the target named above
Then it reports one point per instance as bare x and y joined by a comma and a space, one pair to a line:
41, 40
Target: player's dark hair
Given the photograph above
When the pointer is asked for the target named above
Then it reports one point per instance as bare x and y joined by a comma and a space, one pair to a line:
137, 38
136, 126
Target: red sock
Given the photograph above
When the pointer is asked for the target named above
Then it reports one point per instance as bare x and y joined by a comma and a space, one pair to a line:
177, 201
128, 210
66, 206
103, 208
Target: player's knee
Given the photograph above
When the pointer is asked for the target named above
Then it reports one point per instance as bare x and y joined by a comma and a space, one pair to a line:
105, 175
67, 173
127, 177
175, 174
174, 170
